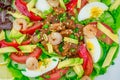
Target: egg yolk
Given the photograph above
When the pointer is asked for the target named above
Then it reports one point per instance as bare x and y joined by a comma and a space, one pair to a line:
90, 47
96, 12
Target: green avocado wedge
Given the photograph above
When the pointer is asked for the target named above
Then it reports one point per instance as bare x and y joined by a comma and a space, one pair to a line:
109, 56
7, 50
70, 62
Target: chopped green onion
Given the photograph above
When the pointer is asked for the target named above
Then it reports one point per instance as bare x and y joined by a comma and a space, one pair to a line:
38, 36
61, 47
37, 31
66, 1
62, 17
46, 26
76, 30
72, 36
54, 60
49, 32
72, 50
81, 37
47, 76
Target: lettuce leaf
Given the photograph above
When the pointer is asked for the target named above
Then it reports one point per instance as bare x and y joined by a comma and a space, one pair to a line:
116, 15
107, 18
107, 2
112, 19
16, 73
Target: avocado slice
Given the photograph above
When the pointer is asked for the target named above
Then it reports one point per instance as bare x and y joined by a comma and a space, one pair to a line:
31, 4
2, 35
19, 15
109, 56
70, 62
7, 50
15, 34
115, 5
37, 12
46, 12
50, 48
62, 4
79, 70
67, 39
20, 40
106, 31
27, 48
79, 4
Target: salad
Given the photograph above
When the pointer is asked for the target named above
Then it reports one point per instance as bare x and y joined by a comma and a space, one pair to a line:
58, 39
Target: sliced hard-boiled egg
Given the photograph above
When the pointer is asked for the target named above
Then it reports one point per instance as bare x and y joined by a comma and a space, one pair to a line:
42, 5
43, 67
92, 10
94, 48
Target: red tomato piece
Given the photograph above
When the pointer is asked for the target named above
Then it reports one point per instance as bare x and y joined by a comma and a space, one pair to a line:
33, 28
87, 59
22, 58
57, 75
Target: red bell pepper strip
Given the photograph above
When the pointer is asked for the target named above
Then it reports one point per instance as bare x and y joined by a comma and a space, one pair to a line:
71, 5
22, 58
3, 43
87, 59
21, 6
32, 29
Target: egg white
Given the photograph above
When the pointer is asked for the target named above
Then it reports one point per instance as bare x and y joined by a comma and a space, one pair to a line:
42, 5
85, 12
42, 69
95, 51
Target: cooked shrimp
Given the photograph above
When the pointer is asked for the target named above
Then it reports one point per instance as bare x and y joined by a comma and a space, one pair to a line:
55, 38
53, 3
85, 78
32, 63
19, 24
89, 31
